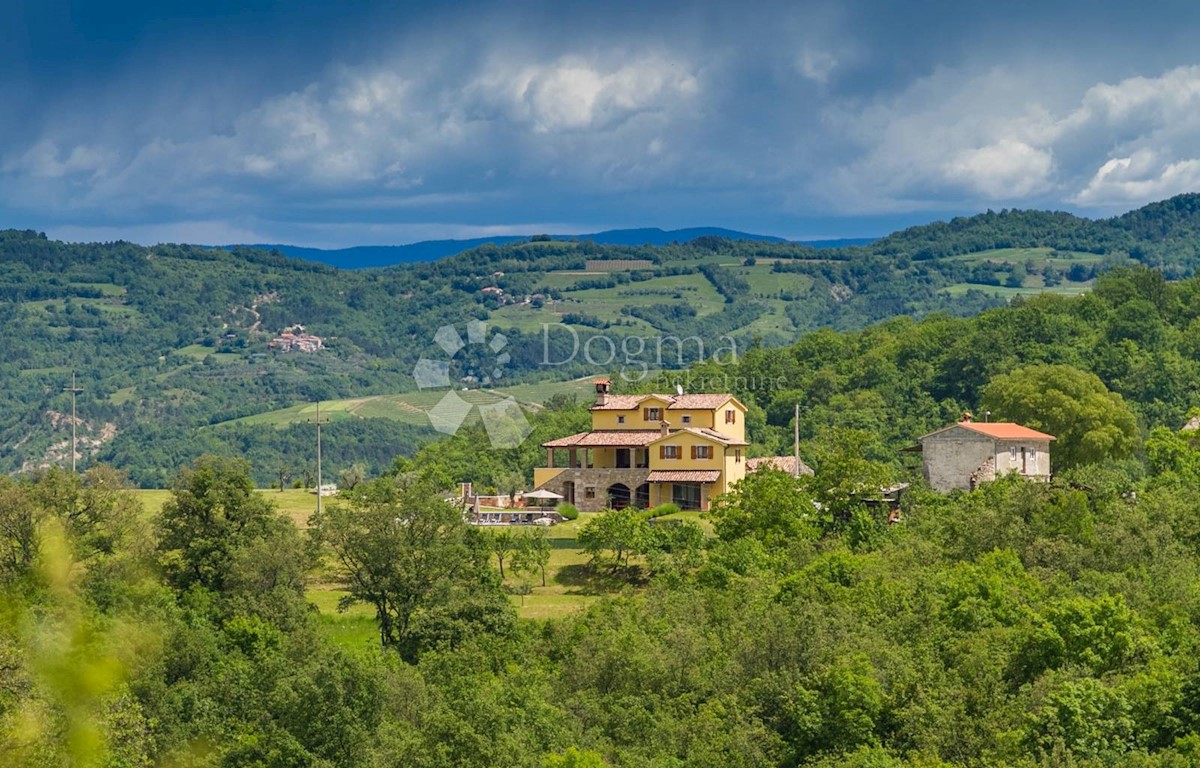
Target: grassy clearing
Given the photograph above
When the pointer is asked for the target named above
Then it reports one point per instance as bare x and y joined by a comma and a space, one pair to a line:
571, 583
297, 504
413, 407
607, 303
1003, 291
57, 370
198, 351
1025, 255
764, 281
122, 396
527, 318
108, 290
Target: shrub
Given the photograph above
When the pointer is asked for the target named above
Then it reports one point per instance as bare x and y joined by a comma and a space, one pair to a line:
661, 510
569, 511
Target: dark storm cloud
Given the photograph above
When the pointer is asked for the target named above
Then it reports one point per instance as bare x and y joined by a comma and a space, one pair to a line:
333, 123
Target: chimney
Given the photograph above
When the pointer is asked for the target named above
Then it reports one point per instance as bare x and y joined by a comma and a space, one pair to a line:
665, 428
602, 386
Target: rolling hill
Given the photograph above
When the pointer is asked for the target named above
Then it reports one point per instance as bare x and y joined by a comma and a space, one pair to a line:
170, 341
365, 256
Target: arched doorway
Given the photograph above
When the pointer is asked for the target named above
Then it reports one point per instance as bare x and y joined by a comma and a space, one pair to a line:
618, 496
641, 497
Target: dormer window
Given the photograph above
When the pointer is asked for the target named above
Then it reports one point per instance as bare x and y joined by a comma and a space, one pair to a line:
731, 416
652, 414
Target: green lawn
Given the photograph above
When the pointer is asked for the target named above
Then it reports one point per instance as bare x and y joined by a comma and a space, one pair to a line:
296, 504
571, 585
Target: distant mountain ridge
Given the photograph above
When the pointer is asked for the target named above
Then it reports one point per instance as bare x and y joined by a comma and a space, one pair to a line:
366, 256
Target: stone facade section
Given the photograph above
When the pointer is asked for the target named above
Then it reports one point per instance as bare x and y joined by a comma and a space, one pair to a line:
597, 479
962, 458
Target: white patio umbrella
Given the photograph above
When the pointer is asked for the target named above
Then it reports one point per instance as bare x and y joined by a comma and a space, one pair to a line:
543, 494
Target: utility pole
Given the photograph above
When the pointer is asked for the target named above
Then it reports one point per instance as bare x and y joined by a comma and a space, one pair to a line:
74, 390
319, 422
796, 438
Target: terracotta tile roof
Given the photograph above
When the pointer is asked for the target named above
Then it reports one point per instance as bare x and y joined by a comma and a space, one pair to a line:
716, 437
997, 430
782, 463
700, 402
697, 402
620, 438
726, 439
683, 476
620, 403
1003, 430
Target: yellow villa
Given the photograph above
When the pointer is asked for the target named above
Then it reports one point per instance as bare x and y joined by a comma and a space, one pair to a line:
648, 450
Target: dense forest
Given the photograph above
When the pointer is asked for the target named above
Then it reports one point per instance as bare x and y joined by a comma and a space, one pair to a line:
172, 340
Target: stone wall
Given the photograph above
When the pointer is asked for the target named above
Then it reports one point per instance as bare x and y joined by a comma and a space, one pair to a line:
953, 457
600, 480
960, 458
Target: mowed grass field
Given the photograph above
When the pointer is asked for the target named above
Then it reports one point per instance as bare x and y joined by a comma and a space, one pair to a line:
413, 407
571, 584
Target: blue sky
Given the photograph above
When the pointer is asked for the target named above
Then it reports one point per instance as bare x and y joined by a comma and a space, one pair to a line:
358, 122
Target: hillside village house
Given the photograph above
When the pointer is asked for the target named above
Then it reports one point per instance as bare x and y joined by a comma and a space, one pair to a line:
965, 454
648, 450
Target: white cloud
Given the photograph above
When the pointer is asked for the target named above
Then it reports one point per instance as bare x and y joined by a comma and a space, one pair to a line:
573, 94
1005, 169
47, 160
384, 129
1141, 177
816, 65
1006, 136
